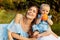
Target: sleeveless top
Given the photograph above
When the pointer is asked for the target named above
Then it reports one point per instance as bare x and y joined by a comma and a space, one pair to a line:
17, 28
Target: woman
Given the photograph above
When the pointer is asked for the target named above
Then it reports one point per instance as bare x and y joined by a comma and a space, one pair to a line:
20, 26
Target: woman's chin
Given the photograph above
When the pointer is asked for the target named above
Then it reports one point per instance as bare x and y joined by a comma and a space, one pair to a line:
29, 17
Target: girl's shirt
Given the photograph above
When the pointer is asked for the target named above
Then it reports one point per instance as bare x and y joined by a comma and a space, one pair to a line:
42, 26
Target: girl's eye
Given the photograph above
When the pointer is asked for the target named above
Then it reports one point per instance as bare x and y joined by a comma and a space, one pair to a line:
43, 10
46, 11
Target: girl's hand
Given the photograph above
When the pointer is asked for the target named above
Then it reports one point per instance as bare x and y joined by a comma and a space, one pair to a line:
44, 17
41, 16
32, 39
35, 34
39, 35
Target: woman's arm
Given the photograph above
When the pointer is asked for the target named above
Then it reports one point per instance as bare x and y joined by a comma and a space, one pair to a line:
53, 33
12, 35
9, 36
19, 37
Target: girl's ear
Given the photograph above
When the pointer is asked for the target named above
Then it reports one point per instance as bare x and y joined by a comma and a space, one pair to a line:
49, 14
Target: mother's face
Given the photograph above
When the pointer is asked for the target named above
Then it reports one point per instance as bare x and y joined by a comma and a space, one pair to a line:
32, 12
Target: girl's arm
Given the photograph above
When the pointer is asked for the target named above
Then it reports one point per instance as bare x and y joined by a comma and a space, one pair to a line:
48, 32
50, 21
38, 20
44, 34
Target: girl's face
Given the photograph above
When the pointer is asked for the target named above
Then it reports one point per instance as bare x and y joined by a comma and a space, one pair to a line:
44, 9
32, 12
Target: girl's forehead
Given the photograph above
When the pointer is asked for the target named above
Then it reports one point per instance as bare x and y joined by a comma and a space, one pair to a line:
46, 8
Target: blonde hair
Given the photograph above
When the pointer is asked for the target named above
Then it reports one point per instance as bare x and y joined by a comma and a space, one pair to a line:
44, 5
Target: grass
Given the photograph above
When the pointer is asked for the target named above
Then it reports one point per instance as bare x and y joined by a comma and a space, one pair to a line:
56, 28
6, 16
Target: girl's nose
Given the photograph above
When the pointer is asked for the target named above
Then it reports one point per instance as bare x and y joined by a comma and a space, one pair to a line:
44, 12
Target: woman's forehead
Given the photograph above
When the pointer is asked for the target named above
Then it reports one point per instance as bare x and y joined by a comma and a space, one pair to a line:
34, 8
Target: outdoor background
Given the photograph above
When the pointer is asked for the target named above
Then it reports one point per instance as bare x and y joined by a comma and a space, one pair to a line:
9, 8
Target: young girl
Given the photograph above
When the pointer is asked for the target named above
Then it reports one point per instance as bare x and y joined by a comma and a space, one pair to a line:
40, 29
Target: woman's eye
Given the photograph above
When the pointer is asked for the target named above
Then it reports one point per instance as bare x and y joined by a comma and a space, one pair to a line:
34, 11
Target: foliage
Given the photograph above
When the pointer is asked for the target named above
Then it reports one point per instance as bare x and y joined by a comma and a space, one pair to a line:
56, 28
16, 4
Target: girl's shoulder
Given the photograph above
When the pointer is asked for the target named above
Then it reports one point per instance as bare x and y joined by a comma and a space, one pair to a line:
50, 16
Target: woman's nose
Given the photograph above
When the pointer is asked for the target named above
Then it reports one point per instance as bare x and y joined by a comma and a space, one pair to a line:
31, 11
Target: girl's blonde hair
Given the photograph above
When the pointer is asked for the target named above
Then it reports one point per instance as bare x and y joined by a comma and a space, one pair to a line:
44, 5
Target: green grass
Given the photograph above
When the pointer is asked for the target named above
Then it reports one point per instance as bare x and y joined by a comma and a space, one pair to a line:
56, 28
6, 16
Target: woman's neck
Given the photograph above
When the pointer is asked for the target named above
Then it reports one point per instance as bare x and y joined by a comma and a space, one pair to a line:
27, 20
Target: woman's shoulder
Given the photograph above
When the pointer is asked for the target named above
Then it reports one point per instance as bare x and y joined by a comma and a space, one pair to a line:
18, 17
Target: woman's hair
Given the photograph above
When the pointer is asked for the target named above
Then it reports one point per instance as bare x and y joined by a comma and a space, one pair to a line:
33, 22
